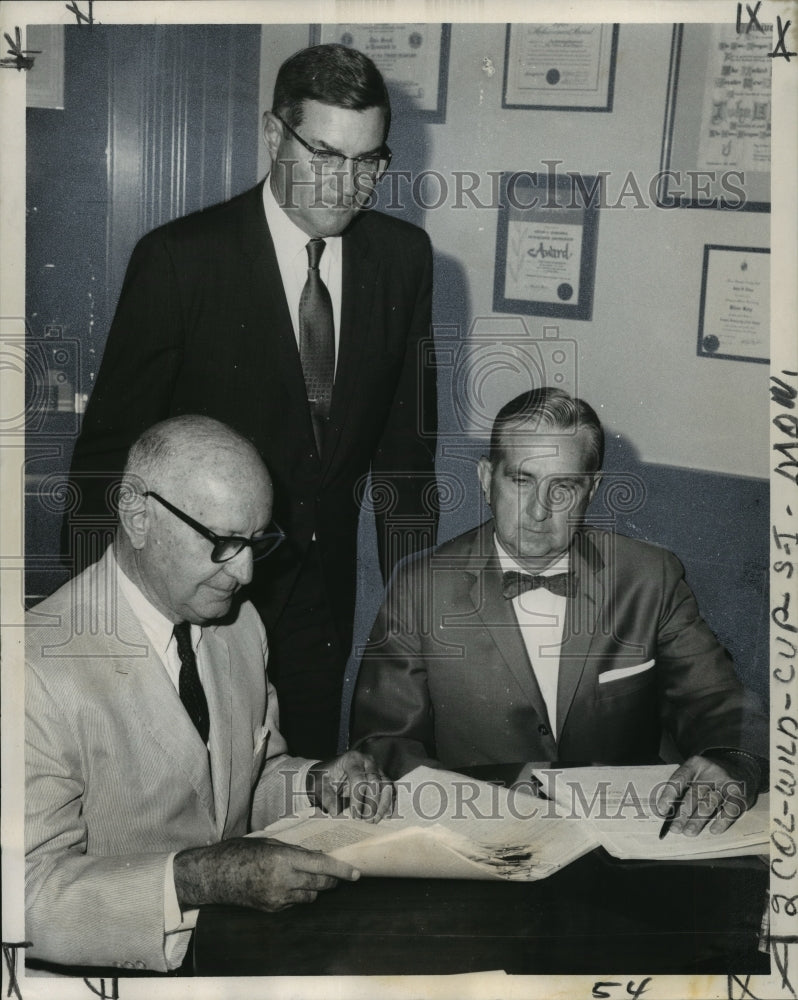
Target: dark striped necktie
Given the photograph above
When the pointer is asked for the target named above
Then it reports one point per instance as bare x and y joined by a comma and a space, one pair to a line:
191, 693
317, 342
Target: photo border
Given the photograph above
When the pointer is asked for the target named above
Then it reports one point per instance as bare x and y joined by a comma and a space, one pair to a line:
784, 509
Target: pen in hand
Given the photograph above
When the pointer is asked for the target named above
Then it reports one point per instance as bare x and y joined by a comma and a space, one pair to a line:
673, 809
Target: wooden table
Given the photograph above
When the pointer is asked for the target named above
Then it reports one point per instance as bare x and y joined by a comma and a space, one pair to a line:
597, 915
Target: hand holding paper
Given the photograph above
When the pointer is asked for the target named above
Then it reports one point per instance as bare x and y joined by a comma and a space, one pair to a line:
261, 873
351, 781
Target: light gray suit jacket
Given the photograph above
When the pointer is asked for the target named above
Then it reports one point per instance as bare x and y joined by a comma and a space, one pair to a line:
117, 777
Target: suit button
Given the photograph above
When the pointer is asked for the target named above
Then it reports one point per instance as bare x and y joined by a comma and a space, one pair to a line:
140, 964
544, 730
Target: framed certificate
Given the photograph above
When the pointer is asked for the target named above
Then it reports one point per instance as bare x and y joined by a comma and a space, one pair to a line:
716, 141
567, 67
413, 59
734, 322
546, 245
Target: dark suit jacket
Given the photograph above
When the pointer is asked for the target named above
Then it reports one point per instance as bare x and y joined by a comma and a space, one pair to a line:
203, 326
446, 677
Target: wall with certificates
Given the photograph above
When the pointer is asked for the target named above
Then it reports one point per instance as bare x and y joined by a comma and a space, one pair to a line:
605, 279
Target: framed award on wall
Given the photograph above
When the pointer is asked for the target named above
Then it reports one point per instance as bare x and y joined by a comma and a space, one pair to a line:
546, 245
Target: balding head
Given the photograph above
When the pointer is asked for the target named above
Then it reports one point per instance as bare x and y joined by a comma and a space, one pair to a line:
181, 453
209, 473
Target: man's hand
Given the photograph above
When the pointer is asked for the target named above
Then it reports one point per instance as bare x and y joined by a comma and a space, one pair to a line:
352, 781
700, 791
256, 872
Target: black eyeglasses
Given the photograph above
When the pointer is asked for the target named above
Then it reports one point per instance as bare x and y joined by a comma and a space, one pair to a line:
227, 547
373, 165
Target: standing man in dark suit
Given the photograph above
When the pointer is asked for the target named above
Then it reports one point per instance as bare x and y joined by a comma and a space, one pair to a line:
301, 321
537, 638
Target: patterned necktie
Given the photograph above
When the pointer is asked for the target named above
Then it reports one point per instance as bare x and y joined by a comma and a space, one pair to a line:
191, 693
317, 341
515, 583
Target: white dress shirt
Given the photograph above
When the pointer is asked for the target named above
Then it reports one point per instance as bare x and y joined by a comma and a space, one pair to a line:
541, 618
160, 631
290, 244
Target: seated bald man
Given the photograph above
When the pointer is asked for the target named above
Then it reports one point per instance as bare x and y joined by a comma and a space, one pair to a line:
536, 637
152, 737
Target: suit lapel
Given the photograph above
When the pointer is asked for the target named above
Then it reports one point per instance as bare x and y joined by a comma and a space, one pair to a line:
275, 351
499, 619
151, 697
219, 692
582, 613
359, 277
146, 692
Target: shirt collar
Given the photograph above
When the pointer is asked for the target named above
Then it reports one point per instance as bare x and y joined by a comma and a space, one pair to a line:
507, 562
286, 235
157, 626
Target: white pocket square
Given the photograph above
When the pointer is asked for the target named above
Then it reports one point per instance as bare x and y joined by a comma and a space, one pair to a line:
263, 735
615, 675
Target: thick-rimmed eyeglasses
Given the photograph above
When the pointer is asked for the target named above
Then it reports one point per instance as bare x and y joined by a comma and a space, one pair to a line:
373, 165
227, 547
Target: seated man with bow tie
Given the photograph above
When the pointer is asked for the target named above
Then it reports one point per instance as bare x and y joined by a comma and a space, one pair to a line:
538, 638
152, 739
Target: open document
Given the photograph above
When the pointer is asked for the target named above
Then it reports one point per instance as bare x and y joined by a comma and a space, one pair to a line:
620, 804
446, 825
